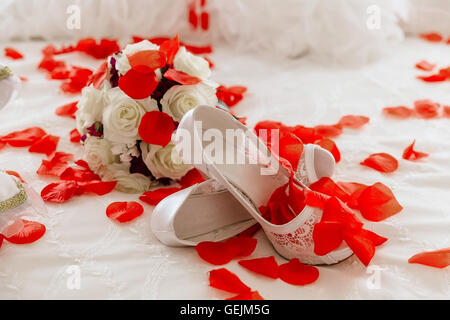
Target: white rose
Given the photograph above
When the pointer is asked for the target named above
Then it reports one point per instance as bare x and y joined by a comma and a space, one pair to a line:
123, 115
191, 64
90, 108
122, 63
97, 153
126, 181
164, 162
180, 99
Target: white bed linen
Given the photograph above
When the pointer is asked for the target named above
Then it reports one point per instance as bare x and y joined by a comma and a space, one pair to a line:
125, 261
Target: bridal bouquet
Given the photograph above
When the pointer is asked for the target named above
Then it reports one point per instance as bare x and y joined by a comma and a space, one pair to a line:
127, 115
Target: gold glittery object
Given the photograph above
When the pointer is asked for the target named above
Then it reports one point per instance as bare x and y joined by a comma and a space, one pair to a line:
15, 201
5, 72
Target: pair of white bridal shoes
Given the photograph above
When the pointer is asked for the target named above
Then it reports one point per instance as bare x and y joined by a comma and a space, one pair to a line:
229, 202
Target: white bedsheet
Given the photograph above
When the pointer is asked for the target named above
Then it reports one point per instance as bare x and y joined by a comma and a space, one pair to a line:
125, 261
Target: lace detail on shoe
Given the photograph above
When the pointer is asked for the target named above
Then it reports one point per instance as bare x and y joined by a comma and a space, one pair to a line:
298, 243
301, 174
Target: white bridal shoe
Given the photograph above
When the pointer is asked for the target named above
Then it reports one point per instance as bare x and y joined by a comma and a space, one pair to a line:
178, 219
9, 85
208, 212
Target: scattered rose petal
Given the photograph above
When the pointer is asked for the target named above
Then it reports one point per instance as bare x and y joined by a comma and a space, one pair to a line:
353, 122
377, 203
67, 110
55, 165
75, 136
432, 37
400, 112
13, 53
46, 145
330, 145
296, 273
410, 154
245, 245
30, 232
328, 131
138, 85
329, 187
425, 65
426, 109
327, 236
77, 79
124, 211
59, 192
219, 253
252, 295
437, 258
181, 77
170, 48
192, 177
382, 162
98, 187
354, 189
147, 60
362, 247
433, 78
225, 280
156, 128
155, 196
99, 50
15, 174
264, 266
231, 95
97, 78
79, 175
24, 138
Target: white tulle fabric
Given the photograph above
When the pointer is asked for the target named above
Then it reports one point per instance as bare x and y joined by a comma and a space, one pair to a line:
332, 30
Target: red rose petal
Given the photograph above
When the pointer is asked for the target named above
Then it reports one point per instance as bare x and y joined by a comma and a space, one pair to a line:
382, 162
99, 50
181, 77
138, 85
98, 187
296, 273
156, 128
329, 187
400, 112
80, 175
290, 149
75, 136
25, 137
330, 145
59, 192
354, 189
252, 295
15, 174
296, 197
377, 202
376, 239
264, 266
426, 109
425, 65
447, 111
327, 236
231, 95
432, 37
67, 110
77, 80
362, 247
225, 280
1, 240
55, 165
410, 154
204, 19
353, 122
306, 134
147, 60
328, 131
30, 232
49, 64
244, 245
124, 211
198, 49
13, 53
217, 253
155, 196
192, 177
170, 48
251, 231
433, 78
315, 199
437, 258
97, 78
46, 145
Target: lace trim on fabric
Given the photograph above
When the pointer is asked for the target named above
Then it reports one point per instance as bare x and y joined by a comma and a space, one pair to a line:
301, 174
